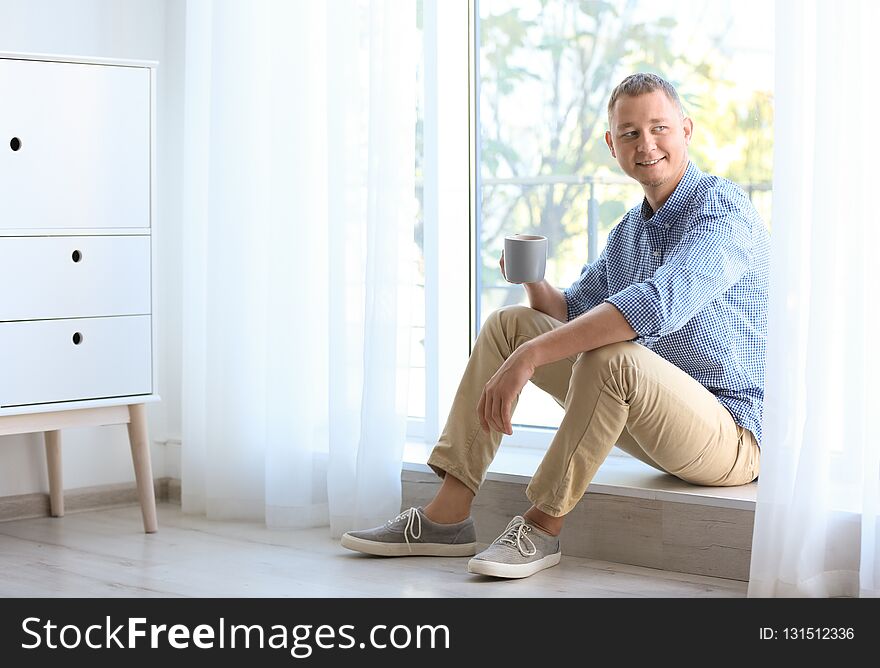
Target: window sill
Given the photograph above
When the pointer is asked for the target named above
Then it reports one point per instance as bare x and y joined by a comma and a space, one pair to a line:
622, 476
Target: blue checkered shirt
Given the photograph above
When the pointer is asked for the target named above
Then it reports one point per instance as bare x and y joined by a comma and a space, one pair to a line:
692, 281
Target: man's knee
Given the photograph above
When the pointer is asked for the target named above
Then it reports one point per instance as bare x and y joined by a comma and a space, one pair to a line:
610, 356
506, 316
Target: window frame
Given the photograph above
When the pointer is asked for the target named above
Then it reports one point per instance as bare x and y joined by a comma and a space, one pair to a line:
450, 322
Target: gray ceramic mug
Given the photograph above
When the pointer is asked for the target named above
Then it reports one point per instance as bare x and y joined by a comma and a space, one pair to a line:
525, 258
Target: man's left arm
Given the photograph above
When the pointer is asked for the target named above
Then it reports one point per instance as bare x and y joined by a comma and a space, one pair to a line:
600, 326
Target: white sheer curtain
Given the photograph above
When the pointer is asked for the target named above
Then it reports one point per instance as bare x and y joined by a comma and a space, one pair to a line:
298, 214
818, 493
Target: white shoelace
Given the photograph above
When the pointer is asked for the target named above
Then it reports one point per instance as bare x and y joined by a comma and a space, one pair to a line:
514, 535
413, 517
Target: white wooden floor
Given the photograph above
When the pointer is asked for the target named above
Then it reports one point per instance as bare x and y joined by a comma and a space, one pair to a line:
104, 554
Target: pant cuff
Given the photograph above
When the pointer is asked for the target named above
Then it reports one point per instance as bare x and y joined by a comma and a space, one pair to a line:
442, 467
552, 510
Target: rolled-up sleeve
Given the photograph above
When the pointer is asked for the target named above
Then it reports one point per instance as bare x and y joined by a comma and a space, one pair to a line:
709, 259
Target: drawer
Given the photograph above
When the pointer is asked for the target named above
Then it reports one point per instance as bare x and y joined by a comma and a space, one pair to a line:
74, 277
41, 363
74, 145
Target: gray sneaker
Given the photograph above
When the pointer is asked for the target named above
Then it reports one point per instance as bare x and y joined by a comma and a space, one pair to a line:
412, 534
522, 550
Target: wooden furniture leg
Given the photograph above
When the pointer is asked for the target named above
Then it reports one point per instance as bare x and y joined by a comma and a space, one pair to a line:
143, 469
50, 425
56, 479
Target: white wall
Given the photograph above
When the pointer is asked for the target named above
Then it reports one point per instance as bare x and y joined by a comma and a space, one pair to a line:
134, 29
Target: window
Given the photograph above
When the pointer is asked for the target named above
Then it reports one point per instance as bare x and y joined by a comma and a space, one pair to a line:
533, 107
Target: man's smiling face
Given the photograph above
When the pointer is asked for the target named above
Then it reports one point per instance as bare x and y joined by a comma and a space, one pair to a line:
649, 138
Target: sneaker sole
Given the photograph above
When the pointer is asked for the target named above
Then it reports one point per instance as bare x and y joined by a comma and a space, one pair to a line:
493, 568
411, 550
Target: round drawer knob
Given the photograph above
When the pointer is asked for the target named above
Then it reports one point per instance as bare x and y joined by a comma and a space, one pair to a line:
77, 256
77, 338
15, 143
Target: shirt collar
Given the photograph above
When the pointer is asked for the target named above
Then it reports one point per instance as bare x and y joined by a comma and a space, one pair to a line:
678, 200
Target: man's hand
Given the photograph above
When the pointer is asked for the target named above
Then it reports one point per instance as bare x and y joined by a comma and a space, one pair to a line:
495, 407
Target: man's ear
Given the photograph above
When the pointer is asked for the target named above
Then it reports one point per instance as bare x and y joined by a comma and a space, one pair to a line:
610, 143
688, 126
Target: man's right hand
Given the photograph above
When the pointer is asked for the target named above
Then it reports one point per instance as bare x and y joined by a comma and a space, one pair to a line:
542, 296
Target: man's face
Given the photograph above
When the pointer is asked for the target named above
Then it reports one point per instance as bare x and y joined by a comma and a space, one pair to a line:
648, 128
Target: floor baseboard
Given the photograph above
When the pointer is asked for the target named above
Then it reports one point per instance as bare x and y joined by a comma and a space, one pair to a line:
25, 506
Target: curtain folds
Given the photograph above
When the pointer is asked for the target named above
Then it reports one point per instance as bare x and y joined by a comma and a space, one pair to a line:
818, 494
298, 207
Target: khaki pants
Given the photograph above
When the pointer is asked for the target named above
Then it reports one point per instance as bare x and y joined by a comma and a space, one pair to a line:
623, 394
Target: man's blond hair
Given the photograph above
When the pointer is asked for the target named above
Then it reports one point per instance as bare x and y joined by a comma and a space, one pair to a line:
641, 83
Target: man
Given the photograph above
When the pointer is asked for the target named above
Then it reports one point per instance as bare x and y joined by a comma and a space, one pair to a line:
658, 348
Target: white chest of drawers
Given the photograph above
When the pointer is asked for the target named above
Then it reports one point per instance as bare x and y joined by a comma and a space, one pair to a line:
77, 252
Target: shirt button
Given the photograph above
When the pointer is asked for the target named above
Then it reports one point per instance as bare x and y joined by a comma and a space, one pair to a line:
666, 226
656, 253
